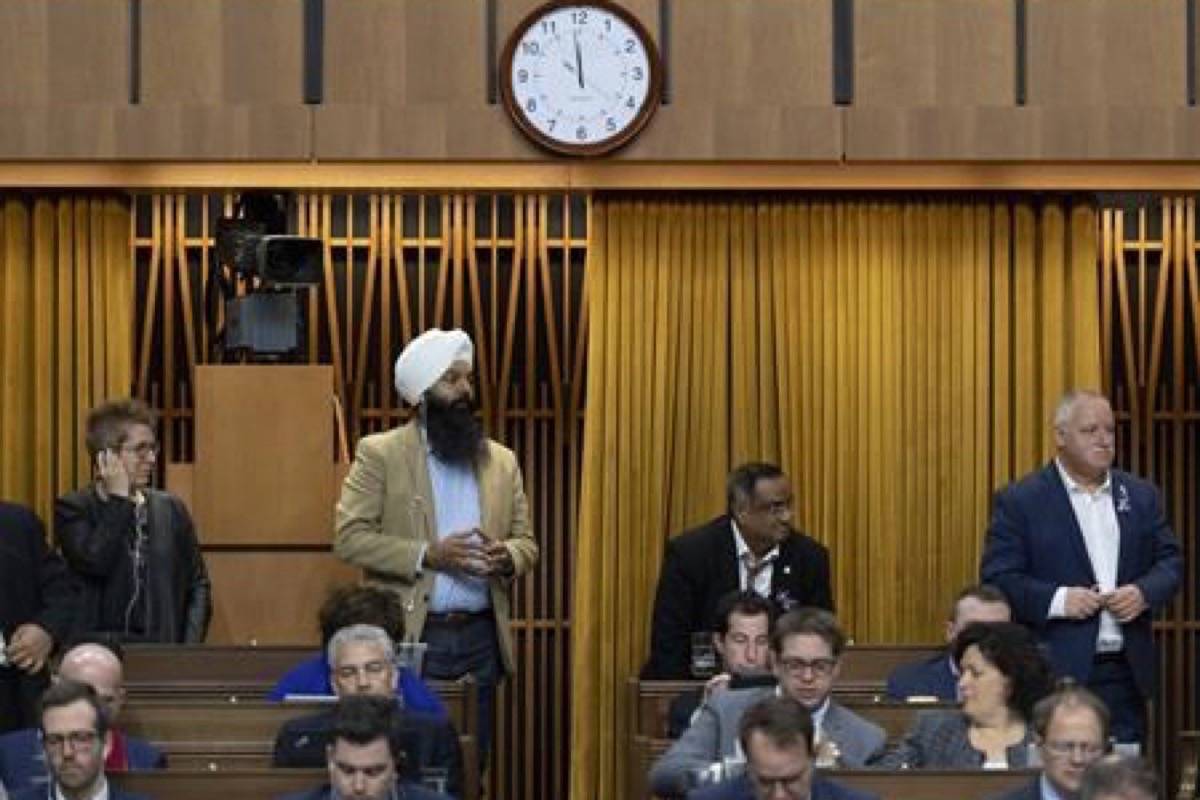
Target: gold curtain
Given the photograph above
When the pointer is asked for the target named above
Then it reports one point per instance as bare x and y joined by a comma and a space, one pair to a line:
66, 334
898, 358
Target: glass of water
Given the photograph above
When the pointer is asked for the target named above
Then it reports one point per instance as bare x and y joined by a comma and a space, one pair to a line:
704, 656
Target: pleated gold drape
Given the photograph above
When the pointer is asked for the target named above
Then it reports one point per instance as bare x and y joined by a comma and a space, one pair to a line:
66, 332
899, 358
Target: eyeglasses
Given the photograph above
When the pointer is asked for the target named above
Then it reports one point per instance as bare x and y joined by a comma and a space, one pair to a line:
372, 669
142, 449
1061, 749
820, 667
79, 740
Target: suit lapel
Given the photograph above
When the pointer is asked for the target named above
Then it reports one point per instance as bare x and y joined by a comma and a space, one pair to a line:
414, 458
728, 576
1061, 507
1123, 510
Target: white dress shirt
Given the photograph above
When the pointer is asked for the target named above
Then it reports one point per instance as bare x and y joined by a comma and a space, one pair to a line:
763, 570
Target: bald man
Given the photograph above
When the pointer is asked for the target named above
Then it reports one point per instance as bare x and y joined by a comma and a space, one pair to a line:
22, 759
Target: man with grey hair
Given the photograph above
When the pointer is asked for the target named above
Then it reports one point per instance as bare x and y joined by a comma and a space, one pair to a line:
1119, 777
436, 511
362, 663
1085, 555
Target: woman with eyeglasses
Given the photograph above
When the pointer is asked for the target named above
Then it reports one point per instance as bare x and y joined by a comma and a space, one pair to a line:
1002, 674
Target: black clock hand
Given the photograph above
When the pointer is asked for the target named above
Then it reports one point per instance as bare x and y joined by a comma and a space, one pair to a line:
578, 61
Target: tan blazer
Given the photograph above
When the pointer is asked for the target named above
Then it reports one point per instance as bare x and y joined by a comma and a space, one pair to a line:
385, 515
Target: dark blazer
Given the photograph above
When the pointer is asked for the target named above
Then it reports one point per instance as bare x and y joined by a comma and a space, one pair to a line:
700, 566
23, 762
95, 536
679, 713
929, 678
1026, 791
740, 789
404, 791
428, 741
938, 740
37, 587
1034, 545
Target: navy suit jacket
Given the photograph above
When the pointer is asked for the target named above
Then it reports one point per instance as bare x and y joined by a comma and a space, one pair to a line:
740, 789
23, 762
1026, 791
404, 791
700, 567
1034, 545
41, 793
929, 678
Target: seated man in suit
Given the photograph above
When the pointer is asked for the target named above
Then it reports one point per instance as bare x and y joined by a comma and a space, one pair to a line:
753, 547
1117, 777
363, 663
364, 755
75, 736
1071, 726
22, 758
776, 734
741, 640
358, 605
938, 677
39, 598
806, 649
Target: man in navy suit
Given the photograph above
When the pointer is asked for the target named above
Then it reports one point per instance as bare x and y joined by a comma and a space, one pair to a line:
938, 676
751, 548
76, 737
1084, 553
776, 735
1071, 728
23, 762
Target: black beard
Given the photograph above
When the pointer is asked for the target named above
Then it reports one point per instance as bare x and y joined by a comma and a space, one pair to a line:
455, 435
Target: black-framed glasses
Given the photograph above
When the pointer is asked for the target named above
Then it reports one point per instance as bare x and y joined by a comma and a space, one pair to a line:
820, 667
79, 740
1065, 749
142, 449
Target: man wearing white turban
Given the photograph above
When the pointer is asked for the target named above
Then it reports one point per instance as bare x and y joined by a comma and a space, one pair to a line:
436, 512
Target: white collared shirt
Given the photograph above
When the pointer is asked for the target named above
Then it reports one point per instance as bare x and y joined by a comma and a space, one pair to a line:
1048, 790
762, 580
1097, 518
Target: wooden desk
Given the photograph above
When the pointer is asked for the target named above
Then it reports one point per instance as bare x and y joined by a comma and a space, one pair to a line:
238, 736
1189, 764
248, 784
208, 670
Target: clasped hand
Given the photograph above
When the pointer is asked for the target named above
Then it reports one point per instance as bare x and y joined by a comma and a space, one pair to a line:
1125, 602
469, 552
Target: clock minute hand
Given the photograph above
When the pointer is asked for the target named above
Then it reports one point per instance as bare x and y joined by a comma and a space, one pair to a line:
578, 61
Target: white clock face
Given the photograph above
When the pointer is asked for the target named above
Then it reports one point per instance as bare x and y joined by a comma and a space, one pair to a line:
580, 75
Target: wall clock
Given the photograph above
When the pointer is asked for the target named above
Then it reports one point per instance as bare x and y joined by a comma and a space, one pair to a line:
580, 78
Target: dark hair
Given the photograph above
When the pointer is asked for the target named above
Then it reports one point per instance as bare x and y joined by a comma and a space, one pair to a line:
65, 692
361, 605
742, 481
812, 621
1118, 775
983, 592
108, 423
748, 604
1068, 694
1010, 648
362, 719
781, 719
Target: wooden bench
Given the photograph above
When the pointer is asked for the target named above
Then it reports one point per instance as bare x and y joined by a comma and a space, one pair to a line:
224, 736
906, 784
249, 784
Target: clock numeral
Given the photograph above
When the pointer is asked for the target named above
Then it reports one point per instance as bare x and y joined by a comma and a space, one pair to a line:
581, 133
531, 105
522, 76
610, 124
579, 17
531, 48
552, 122
629, 103
637, 73
549, 26
630, 45
608, 25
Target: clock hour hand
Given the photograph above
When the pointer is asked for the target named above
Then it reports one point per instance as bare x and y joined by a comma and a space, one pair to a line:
578, 61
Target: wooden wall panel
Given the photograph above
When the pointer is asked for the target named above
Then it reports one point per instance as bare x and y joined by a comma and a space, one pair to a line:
64, 51
1107, 52
231, 52
271, 597
934, 53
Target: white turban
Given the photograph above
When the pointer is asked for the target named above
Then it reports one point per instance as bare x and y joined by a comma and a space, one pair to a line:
426, 359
